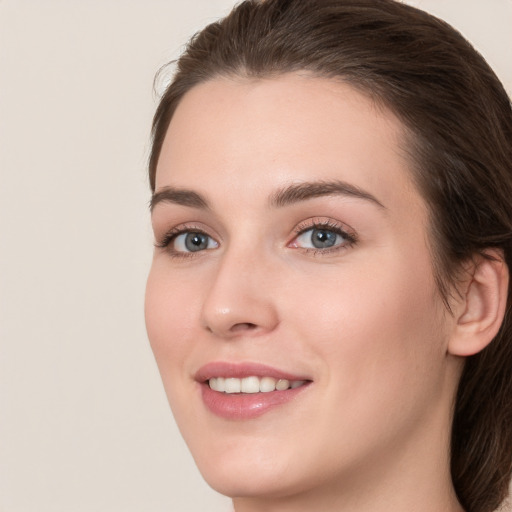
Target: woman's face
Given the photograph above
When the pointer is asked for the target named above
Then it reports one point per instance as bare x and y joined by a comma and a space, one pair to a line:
292, 252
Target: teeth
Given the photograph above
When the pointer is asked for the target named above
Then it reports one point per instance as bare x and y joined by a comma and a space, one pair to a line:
267, 384
217, 384
282, 384
232, 385
252, 384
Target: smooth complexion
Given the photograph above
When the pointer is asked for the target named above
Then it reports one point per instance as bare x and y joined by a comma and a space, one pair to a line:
254, 167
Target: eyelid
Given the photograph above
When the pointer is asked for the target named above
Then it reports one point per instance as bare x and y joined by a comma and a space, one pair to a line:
166, 240
327, 224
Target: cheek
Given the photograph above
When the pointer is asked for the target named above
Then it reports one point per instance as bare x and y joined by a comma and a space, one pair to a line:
378, 334
372, 336
170, 313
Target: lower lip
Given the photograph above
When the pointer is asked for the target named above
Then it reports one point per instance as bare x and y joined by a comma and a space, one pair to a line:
245, 406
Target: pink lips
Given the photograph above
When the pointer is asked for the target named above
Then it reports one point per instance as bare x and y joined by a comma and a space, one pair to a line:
242, 406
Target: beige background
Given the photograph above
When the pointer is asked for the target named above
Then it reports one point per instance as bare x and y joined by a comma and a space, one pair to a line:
84, 423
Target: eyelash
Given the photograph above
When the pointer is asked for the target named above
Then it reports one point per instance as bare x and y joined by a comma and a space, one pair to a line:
303, 227
327, 225
171, 235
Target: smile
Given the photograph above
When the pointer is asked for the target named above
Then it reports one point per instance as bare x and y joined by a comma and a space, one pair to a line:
244, 391
252, 384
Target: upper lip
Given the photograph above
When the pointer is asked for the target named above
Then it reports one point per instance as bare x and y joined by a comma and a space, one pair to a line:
241, 370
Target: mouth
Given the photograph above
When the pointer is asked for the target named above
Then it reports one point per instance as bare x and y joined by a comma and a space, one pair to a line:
245, 391
252, 384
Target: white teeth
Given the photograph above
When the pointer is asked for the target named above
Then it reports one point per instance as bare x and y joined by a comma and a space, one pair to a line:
252, 384
217, 384
267, 384
232, 386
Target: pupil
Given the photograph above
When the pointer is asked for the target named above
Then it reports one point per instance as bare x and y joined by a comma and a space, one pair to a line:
322, 238
196, 242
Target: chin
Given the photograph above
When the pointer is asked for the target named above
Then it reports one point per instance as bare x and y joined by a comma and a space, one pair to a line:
247, 475
250, 483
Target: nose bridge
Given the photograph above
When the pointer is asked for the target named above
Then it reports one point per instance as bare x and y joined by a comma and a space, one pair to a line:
239, 300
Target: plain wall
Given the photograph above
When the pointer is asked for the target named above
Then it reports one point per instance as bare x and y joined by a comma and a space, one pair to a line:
84, 422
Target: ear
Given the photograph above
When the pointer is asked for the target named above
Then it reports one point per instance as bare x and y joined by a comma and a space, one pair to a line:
480, 312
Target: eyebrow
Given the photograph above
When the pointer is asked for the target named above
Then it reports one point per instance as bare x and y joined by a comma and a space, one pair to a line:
182, 197
310, 190
291, 194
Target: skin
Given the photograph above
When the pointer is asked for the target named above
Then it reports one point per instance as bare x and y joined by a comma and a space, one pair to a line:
364, 320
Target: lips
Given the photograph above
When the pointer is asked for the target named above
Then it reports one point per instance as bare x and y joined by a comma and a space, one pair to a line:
244, 391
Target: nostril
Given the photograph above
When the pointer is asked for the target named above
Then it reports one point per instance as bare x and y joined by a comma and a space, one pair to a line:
235, 329
243, 327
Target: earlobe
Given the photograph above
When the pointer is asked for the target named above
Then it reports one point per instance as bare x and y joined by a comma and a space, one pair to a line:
482, 307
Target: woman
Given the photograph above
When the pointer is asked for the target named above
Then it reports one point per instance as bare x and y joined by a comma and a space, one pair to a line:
329, 296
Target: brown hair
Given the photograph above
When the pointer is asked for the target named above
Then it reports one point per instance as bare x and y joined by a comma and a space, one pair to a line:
459, 119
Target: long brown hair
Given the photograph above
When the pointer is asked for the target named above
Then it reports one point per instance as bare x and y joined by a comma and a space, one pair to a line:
459, 119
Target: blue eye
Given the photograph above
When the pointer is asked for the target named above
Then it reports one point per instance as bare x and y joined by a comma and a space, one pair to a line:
190, 241
321, 238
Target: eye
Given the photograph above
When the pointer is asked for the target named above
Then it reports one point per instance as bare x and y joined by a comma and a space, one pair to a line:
183, 241
190, 241
322, 237
315, 238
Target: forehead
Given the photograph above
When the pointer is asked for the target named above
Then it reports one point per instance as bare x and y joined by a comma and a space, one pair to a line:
269, 132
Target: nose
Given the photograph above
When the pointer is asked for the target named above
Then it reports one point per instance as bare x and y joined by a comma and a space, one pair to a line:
241, 297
